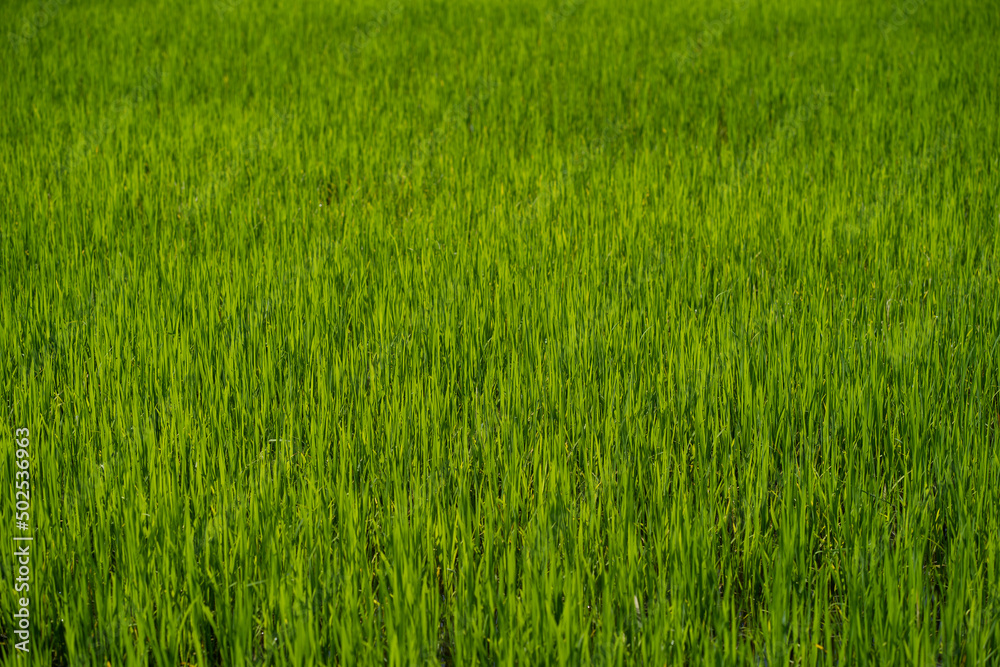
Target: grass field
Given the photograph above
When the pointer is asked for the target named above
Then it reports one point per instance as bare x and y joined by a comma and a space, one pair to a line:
499, 333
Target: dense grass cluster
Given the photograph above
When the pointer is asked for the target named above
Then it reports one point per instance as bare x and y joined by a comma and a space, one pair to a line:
415, 332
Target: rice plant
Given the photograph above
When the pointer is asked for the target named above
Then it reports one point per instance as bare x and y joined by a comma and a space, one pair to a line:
502, 333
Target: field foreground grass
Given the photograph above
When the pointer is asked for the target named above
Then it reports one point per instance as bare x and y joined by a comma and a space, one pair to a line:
503, 333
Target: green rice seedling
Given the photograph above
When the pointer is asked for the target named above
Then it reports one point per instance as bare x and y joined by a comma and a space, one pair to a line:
501, 333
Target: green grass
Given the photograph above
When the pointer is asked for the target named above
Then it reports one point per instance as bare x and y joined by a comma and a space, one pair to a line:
503, 333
